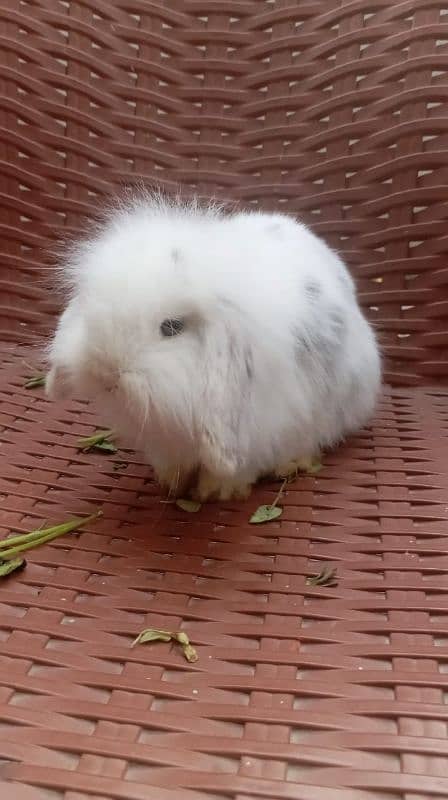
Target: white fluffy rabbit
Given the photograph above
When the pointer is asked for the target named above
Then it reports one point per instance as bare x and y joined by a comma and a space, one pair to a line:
225, 346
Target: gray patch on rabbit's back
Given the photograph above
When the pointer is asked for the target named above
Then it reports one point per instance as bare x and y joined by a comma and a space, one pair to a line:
337, 322
314, 344
313, 290
249, 364
355, 385
323, 338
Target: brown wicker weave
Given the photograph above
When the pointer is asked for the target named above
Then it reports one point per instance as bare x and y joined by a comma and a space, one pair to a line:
337, 111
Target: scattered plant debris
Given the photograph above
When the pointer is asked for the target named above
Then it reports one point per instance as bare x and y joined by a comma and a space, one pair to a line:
35, 381
100, 440
325, 578
155, 635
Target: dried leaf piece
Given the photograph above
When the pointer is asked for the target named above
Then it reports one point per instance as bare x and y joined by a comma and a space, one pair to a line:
265, 514
192, 506
152, 635
325, 578
101, 440
6, 567
35, 381
189, 651
156, 635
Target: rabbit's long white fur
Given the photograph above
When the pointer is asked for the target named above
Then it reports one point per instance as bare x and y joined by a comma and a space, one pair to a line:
274, 361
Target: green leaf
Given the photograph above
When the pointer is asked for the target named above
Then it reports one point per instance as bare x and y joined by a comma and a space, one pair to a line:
180, 637
189, 505
6, 567
265, 514
325, 578
101, 440
152, 635
35, 381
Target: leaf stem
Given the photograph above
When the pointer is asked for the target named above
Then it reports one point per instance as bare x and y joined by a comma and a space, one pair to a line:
279, 493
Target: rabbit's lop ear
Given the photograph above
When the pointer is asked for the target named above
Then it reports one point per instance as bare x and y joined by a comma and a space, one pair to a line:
224, 434
56, 383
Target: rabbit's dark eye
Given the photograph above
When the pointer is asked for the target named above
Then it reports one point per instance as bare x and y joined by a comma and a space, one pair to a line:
171, 327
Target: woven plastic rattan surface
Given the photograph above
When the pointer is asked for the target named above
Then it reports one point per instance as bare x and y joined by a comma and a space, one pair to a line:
336, 111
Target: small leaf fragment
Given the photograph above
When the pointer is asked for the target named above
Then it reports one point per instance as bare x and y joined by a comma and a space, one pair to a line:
6, 567
192, 506
119, 465
325, 578
180, 637
265, 514
190, 653
188, 649
152, 635
100, 440
35, 381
